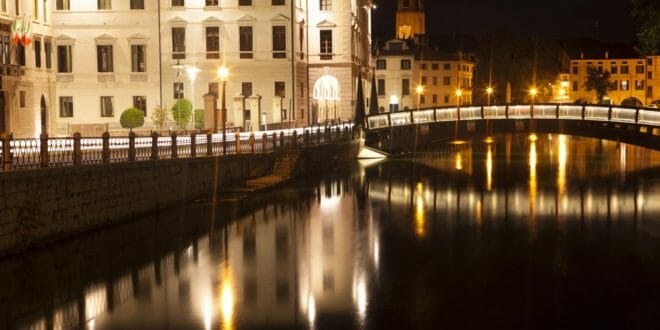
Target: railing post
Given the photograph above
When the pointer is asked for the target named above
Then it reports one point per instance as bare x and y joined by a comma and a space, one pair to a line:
609, 114
282, 139
6, 151
251, 142
637, 116
238, 142
264, 143
209, 143
295, 138
584, 109
77, 150
557, 112
43, 154
306, 139
131, 146
105, 154
175, 148
193, 144
318, 135
274, 141
506, 111
154, 145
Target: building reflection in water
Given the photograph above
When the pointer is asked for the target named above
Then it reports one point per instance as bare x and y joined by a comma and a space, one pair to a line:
302, 262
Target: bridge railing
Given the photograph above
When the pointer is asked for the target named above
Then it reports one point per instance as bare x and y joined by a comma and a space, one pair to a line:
601, 113
76, 150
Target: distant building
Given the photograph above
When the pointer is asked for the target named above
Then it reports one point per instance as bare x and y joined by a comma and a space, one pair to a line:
635, 77
407, 63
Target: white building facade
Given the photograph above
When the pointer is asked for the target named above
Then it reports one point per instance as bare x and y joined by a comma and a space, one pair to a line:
291, 63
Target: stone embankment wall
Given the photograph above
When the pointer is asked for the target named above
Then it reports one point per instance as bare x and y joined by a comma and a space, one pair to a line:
38, 206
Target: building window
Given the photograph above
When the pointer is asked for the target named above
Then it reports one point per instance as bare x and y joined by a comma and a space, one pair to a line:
178, 90
279, 41
435, 98
446, 98
424, 66
137, 4
245, 36
178, 3
649, 75
446, 66
424, 81
405, 87
446, 80
64, 59
624, 85
639, 69
48, 49
62, 5
277, 2
422, 99
211, 3
104, 58
616, 85
574, 85
178, 43
639, 85
649, 91
381, 87
381, 64
140, 102
138, 58
20, 54
246, 89
405, 64
574, 70
325, 4
66, 106
104, 4
280, 89
37, 53
106, 106
326, 44
614, 69
212, 42
4, 6
245, 2
22, 96
624, 69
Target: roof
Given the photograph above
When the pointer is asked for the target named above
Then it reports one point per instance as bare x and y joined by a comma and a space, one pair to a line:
577, 49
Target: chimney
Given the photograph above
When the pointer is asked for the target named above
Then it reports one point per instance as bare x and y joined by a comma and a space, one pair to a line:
607, 54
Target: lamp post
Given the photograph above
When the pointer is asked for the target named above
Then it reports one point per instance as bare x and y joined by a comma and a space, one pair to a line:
223, 73
532, 92
192, 72
459, 93
419, 90
489, 92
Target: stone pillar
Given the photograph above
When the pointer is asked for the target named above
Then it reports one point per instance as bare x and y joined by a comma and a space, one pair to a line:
77, 152
211, 116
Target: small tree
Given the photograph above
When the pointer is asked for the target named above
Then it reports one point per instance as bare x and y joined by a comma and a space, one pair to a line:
598, 81
181, 112
160, 116
131, 118
199, 119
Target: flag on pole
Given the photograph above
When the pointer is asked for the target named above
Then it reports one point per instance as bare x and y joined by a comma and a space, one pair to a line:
26, 38
16, 31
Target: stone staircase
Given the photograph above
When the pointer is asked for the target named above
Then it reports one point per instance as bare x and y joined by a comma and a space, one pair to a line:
285, 163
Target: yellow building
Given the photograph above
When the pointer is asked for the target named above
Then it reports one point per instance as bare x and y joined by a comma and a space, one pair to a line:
635, 79
410, 20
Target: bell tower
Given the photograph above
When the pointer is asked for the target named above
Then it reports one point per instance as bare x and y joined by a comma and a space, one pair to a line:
410, 20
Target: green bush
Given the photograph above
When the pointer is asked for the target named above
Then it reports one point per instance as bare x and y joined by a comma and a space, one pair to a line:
131, 118
199, 119
181, 112
160, 116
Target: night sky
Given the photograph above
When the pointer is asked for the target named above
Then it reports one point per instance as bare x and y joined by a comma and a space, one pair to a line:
553, 19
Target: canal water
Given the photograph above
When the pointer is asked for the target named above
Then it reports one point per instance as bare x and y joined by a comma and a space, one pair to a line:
513, 232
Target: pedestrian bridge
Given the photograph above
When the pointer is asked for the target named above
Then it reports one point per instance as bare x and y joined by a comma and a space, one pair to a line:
405, 131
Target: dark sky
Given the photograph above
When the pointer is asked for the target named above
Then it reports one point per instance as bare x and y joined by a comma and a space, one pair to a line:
526, 18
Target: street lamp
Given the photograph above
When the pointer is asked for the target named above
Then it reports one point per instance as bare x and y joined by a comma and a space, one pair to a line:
192, 72
223, 73
459, 93
419, 90
394, 103
532, 92
489, 92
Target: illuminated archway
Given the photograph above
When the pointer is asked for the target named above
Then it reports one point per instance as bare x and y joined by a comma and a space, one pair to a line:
632, 102
326, 93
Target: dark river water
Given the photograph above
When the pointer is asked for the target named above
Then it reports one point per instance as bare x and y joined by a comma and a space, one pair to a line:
516, 232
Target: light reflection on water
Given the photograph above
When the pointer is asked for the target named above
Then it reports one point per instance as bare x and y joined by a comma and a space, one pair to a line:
492, 226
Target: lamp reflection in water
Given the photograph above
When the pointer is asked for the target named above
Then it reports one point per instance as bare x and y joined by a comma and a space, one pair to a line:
311, 310
533, 158
561, 171
420, 210
459, 161
227, 300
489, 168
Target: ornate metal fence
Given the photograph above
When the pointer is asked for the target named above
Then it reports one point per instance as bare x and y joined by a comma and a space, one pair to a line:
76, 150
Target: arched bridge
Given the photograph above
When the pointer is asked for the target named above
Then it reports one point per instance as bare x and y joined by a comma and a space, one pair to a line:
403, 131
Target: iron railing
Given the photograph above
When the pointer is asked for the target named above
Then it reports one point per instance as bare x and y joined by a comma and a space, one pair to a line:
46, 152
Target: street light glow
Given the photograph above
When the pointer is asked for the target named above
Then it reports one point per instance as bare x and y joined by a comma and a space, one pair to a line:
489, 90
223, 72
419, 89
459, 92
533, 91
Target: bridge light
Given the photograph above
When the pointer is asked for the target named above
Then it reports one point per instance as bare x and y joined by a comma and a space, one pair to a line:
489, 90
459, 92
533, 91
419, 89
394, 99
